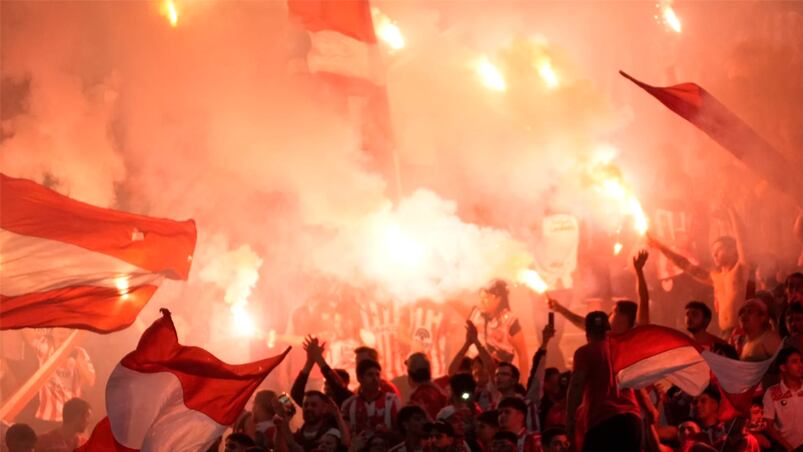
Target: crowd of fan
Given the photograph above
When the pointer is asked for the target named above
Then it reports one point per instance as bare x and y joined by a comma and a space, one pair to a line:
485, 404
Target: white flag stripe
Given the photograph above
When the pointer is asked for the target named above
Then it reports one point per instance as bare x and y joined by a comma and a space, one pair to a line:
734, 376
335, 52
161, 421
32, 264
685, 363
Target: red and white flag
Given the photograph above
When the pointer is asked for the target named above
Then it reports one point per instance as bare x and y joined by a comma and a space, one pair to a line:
699, 107
650, 353
165, 396
343, 53
64, 263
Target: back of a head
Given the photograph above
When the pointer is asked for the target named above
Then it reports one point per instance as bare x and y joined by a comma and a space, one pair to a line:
419, 368
20, 437
74, 410
629, 309
490, 417
365, 365
406, 413
366, 352
503, 435
344, 375
462, 383
517, 403
241, 439
597, 325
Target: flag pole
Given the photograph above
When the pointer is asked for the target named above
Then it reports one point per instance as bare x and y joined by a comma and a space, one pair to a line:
30, 388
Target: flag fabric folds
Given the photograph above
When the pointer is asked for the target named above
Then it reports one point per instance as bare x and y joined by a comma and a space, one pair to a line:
165, 396
69, 264
699, 107
343, 53
650, 353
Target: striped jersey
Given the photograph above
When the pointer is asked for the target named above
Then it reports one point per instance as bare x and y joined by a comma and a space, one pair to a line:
375, 415
425, 325
63, 385
382, 321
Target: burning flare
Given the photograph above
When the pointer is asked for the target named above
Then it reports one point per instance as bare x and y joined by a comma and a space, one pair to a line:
617, 248
608, 181
168, 9
386, 30
668, 16
533, 280
122, 287
490, 75
547, 73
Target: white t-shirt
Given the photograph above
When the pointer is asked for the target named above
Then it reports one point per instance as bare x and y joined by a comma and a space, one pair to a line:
784, 407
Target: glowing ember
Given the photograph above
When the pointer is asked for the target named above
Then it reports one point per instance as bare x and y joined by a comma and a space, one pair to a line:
617, 248
610, 183
533, 280
122, 287
387, 31
547, 73
490, 76
669, 17
243, 324
170, 11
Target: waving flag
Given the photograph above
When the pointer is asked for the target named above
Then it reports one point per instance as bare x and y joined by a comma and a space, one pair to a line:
699, 107
64, 263
343, 52
165, 396
649, 353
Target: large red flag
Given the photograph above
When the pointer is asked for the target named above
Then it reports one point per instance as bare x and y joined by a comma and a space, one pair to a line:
708, 114
69, 264
343, 53
165, 396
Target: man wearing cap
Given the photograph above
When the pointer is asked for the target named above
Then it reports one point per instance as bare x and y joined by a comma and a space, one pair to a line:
756, 340
457, 417
783, 402
411, 419
612, 414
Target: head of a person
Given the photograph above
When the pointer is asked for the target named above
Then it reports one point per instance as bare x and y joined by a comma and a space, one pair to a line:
687, 430
462, 387
512, 414
263, 405
238, 442
363, 353
487, 426
623, 316
793, 288
698, 316
411, 420
504, 441
344, 377
20, 438
706, 406
479, 371
723, 252
789, 363
494, 297
369, 375
754, 316
597, 326
419, 370
552, 381
506, 377
794, 318
75, 415
378, 443
428, 439
756, 413
457, 417
443, 435
555, 439
314, 407
329, 441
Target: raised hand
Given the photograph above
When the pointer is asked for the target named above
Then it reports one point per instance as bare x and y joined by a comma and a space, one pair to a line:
640, 260
547, 334
472, 335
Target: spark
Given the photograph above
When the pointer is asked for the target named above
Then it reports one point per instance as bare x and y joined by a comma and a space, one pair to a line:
490, 75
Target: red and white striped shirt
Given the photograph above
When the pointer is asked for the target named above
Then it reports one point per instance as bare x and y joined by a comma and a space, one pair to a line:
377, 415
63, 385
427, 325
382, 320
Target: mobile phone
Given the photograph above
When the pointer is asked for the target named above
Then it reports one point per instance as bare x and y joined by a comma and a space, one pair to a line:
287, 403
552, 319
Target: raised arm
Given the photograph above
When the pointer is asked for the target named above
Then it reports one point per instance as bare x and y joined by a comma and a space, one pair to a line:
576, 320
574, 396
340, 391
738, 235
300, 383
473, 337
520, 346
697, 272
535, 382
643, 292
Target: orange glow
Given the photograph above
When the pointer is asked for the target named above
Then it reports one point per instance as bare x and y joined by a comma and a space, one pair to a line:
387, 30
243, 323
490, 75
547, 73
122, 287
170, 11
617, 248
608, 181
669, 17
533, 280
